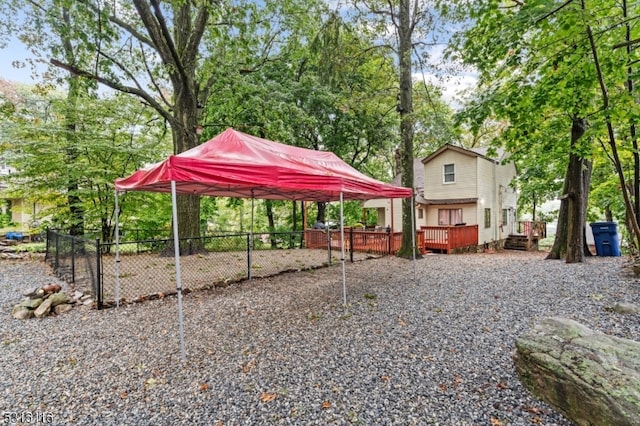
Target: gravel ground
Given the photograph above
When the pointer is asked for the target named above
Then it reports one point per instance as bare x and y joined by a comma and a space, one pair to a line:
283, 350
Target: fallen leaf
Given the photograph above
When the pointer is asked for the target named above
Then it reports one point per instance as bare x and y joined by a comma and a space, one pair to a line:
385, 378
501, 385
536, 420
268, 397
204, 387
457, 380
326, 404
495, 422
151, 382
533, 410
401, 322
248, 366
442, 387
124, 395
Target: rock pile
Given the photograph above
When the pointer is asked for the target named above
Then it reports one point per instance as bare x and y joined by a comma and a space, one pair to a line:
40, 302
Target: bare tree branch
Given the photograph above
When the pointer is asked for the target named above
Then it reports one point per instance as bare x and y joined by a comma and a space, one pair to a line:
116, 86
152, 78
554, 11
626, 43
122, 24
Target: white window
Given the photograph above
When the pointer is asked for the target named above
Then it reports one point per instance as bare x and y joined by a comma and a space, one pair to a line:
449, 173
449, 216
487, 218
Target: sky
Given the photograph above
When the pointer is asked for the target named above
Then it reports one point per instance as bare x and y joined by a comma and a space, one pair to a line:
15, 51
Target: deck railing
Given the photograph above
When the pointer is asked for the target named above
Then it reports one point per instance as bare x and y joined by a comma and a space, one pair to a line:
534, 229
375, 242
447, 238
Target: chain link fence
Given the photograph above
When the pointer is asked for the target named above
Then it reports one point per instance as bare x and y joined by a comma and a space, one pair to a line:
146, 267
75, 260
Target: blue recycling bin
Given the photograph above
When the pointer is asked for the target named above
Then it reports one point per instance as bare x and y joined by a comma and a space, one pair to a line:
605, 235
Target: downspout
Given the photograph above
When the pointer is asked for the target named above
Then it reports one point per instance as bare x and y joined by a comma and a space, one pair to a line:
495, 203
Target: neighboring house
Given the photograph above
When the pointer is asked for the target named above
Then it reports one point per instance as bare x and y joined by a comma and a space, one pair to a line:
20, 211
458, 186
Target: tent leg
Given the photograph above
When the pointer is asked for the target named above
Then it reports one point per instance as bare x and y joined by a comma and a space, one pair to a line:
117, 231
413, 236
249, 275
344, 274
176, 244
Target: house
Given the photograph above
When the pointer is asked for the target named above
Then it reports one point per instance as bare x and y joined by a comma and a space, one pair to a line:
459, 191
20, 212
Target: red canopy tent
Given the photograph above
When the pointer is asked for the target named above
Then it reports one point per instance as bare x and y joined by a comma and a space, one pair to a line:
235, 164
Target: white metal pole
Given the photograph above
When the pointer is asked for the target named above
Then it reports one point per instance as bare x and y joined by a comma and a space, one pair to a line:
413, 235
117, 231
344, 273
251, 240
176, 245
327, 228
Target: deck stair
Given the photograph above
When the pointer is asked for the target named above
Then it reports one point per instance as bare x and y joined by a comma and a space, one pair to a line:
521, 242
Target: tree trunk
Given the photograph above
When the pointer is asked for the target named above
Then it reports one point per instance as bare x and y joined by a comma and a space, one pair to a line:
184, 138
559, 249
569, 241
586, 186
405, 108
268, 204
322, 207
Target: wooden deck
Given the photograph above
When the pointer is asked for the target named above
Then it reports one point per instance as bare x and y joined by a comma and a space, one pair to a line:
375, 242
445, 239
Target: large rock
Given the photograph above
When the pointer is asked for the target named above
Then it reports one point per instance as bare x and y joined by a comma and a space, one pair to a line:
44, 309
58, 299
62, 308
31, 303
21, 312
591, 378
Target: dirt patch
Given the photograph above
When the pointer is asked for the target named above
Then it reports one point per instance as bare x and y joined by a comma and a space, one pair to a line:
143, 276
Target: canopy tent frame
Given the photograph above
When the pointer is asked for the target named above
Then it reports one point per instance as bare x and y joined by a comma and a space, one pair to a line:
239, 165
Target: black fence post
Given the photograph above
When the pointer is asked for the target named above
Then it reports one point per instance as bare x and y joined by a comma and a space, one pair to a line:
329, 243
389, 238
248, 257
351, 244
73, 260
47, 255
98, 279
57, 262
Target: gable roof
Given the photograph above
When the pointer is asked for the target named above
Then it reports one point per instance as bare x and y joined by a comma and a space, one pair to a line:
473, 152
236, 164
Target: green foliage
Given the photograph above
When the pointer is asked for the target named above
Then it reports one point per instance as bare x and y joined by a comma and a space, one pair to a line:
537, 73
112, 137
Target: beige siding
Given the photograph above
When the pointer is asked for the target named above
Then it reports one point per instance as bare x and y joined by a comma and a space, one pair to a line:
22, 212
386, 211
469, 215
475, 177
495, 193
465, 177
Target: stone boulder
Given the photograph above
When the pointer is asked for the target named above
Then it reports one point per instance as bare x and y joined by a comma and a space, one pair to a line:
58, 299
22, 312
590, 377
43, 310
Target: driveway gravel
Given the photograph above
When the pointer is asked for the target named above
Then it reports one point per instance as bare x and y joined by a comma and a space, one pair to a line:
283, 350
